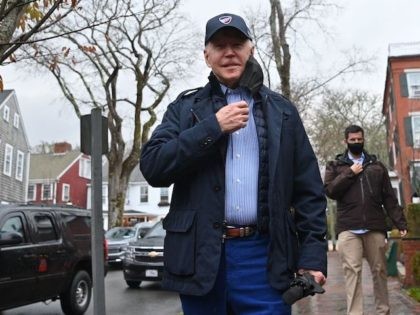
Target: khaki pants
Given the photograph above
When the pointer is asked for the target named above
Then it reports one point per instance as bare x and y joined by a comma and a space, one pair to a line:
352, 248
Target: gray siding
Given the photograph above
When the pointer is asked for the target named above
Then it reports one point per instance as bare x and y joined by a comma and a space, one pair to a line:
11, 188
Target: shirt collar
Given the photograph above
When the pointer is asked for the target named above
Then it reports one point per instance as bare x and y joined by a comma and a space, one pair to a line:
360, 159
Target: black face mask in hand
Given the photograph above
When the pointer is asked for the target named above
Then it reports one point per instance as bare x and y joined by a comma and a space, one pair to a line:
355, 148
253, 76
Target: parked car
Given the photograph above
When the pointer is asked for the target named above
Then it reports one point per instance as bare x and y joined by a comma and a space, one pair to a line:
118, 239
144, 258
45, 254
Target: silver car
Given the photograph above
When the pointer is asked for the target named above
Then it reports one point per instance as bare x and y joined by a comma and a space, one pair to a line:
119, 237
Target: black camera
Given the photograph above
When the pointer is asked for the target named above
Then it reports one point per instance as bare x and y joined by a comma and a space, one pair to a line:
303, 285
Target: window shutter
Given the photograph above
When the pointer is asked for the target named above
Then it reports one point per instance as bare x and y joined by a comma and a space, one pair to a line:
408, 131
403, 85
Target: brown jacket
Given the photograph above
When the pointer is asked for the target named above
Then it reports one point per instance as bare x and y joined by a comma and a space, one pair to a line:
363, 200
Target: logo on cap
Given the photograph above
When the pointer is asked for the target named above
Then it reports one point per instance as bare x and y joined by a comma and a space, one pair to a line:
225, 19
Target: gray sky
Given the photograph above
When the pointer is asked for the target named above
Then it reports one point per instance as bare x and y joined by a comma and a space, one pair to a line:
366, 26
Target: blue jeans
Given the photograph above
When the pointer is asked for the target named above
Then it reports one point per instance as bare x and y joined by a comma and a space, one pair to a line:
241, 286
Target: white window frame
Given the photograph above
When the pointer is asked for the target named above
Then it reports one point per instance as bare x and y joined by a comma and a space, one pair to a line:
413, 83
144, 193
50, 197
66, 193
16, 120
6, 113
20, 160
34, 192
85, 168
415, 127
8, 160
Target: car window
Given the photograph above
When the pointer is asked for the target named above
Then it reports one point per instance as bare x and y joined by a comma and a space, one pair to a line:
45, 228
13, 224
156, 231
120, 233
77, 224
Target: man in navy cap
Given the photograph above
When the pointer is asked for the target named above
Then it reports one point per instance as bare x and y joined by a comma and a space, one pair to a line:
240, 160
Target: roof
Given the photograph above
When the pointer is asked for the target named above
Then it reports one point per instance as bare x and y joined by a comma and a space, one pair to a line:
135, 177
4, 95
50, 166
403, 49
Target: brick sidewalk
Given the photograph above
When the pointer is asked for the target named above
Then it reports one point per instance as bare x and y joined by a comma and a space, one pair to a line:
333, 301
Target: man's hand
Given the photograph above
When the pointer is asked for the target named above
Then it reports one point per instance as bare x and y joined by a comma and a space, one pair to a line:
318, 275
356, 168
403, 233
233, 116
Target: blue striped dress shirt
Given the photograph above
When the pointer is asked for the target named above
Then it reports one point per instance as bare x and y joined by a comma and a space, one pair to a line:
242, 164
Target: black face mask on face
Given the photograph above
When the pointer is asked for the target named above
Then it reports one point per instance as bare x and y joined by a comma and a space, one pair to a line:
355, 148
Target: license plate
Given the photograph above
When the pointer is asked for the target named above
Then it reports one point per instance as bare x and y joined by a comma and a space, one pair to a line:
151, 273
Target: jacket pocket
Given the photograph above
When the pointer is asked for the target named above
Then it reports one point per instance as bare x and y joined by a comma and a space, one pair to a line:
179, 244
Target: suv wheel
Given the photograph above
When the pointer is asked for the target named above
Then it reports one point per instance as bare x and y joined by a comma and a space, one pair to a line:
133, 284
75, 300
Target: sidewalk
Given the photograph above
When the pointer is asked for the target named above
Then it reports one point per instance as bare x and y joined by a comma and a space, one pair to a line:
333, 301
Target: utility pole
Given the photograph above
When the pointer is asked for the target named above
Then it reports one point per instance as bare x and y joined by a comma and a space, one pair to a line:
94, 141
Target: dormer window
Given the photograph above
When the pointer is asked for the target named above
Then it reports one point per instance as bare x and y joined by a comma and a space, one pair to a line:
6, 113
16, 120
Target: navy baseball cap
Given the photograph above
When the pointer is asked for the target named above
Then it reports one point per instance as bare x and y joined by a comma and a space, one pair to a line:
226, 20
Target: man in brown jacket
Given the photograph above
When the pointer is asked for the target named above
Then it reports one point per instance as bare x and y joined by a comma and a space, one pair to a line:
362, 188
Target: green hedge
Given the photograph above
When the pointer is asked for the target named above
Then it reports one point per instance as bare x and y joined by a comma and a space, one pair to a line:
413, 219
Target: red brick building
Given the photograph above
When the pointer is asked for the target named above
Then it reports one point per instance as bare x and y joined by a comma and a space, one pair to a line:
401, 108
60, 177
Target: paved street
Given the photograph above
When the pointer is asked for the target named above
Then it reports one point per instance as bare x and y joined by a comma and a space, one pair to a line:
151, 299
334, 299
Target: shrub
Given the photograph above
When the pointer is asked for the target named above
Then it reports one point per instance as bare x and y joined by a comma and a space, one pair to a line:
416, 266
414, 293
413, 219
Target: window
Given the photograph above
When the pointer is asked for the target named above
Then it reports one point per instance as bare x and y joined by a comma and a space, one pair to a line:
16, 120
66, 192
46, 191
415, 125
164, 197
8, 156
13, 224
19, 165
144, 194
31, 192
410, 83
104, 194
45, 228
413, 83
6, 113
84, 168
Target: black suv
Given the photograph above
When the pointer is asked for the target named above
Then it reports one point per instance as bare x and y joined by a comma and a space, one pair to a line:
144, 257
45, 253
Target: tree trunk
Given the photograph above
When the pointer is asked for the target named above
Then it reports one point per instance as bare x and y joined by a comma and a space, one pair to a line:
117, 192
9, 23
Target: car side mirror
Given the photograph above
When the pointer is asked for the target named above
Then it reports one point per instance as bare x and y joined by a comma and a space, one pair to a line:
10, 238
142, 234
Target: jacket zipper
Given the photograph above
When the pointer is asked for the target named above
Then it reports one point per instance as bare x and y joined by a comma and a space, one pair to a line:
363, 200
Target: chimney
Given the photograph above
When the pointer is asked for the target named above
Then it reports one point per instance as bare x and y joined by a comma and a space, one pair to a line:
62, 147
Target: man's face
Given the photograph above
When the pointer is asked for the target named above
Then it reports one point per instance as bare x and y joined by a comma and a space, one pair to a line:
226, 54
355, 137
